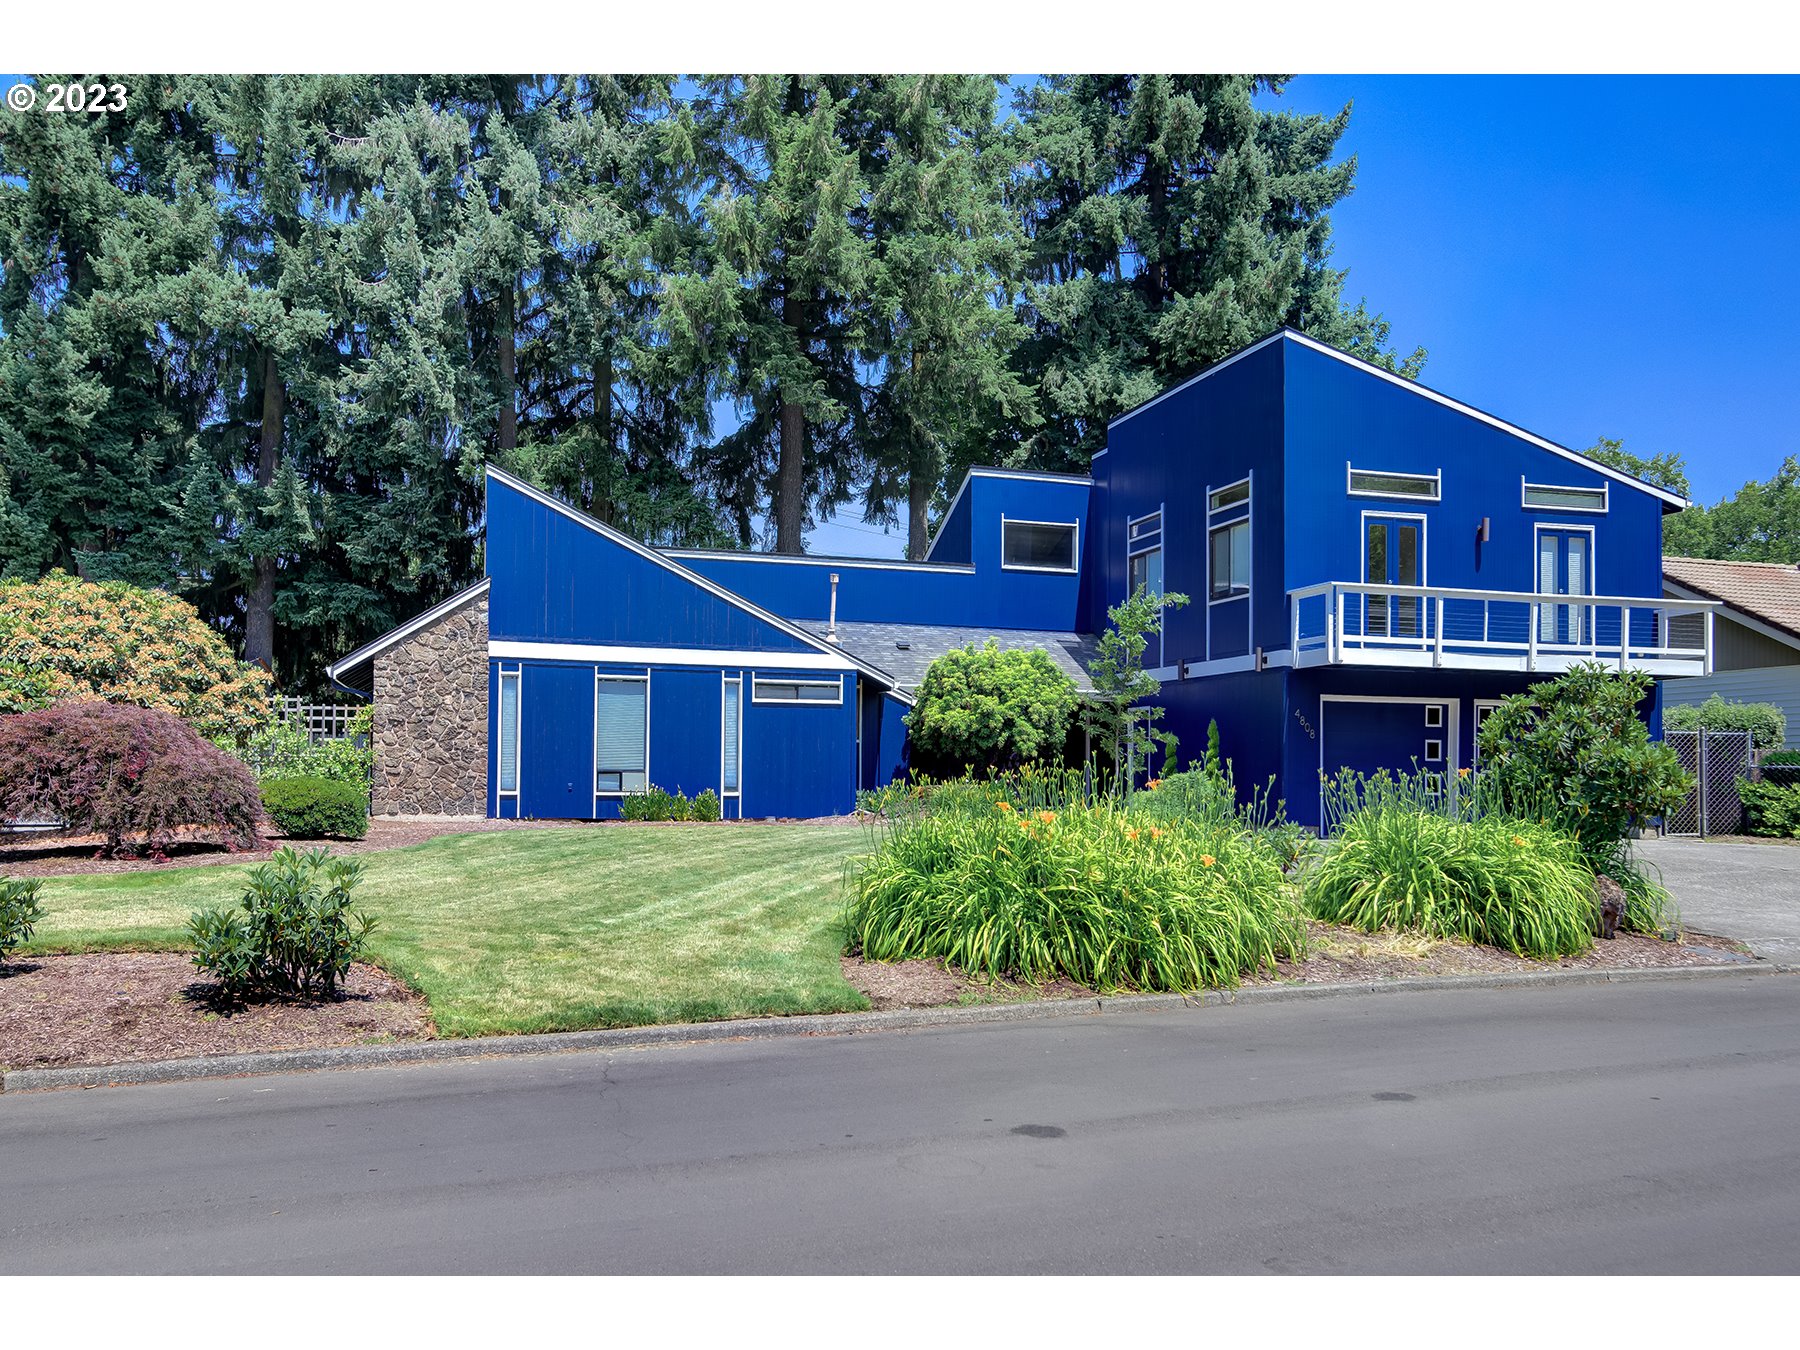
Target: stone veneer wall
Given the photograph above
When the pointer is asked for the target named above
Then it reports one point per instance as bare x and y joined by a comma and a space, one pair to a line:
431, 719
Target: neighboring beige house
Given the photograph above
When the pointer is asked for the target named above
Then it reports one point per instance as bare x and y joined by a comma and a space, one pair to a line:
1756, 634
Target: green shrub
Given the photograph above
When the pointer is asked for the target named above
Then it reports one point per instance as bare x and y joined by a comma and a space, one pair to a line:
1784, 757
1023, 879
660, 804
293, 933
19, 911
1507, 883
1770, 809
1765, 722
280, 748
317, 808
984, 708
1574, 752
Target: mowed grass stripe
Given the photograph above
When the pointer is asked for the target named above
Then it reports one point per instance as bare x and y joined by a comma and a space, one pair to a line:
541, 930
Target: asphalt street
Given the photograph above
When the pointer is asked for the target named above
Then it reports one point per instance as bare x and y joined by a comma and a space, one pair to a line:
1649, 1128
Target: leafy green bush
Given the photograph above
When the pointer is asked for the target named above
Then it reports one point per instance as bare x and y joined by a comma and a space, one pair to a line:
1574, 752
280, 748
984, 708
1765, 722
317, 808
1024, 878
294, 933
19, 911
1770, 809
1400, 858
660, 804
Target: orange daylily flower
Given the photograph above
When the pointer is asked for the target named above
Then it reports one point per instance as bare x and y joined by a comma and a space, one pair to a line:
1207, 860
1003, 806
1046, 816
1152, 785
1518, 841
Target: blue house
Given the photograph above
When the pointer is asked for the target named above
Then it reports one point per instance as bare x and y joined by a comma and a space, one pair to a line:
1371, 567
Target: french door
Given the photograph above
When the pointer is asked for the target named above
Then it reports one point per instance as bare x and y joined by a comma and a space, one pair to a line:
1393, 555
1565, 566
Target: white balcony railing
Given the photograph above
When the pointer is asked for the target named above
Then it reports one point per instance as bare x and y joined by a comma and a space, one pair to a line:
1357, 623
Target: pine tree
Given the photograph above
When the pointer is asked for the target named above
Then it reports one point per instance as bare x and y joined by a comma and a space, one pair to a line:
1172, 221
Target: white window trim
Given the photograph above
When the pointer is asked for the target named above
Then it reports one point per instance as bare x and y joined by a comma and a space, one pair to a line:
738, 791
1475, 727
1212, 492
1138, 552
1133, 522
1362, 573
1248, 505
1452, 733
756, 681
1605, 491
1075, 550
1538, 527
1435, 479
517, 674
594, 737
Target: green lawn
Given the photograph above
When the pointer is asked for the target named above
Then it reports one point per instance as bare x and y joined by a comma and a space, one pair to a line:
553, 930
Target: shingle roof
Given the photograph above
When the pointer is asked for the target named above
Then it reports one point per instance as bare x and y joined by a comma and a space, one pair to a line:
1766, 591
904, 650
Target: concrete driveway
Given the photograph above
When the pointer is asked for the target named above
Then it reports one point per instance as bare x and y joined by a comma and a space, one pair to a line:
1735, 888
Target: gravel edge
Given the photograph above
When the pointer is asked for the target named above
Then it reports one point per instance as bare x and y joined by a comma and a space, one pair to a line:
765, 1028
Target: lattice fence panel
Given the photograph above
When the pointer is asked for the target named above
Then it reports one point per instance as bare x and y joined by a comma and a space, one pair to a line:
321, 721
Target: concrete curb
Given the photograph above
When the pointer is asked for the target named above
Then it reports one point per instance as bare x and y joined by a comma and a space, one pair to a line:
826, 1024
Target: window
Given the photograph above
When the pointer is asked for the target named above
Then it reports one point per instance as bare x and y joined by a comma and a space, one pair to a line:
1146, 572
733, 737
509, 732
1230, 551
1228, 496
796, 691
1434, 752
1144, 530
1434, 714
1374, 483
1546, 497
1037, 545
621, 734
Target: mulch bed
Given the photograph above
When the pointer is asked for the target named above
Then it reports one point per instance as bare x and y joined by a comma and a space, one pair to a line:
1337, 956
117, 1007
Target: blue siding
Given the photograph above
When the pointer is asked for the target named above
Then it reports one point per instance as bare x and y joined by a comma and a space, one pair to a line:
556, 742
977, 593
799, 760
686, 709
954, 541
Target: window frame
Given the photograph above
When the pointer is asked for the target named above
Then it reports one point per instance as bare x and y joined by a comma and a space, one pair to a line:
727, 682
1224, 527
620, 791
1074, 528
1214, 505
1525, 502
1435, 479
516, 675
799, 681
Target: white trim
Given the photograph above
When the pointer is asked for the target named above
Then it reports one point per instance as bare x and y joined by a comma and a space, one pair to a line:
1225, 665
516, 674
817, 560
1312, 344
1244, 594
594, 756
666, 656
370, 650
1727, 610
1605, 490
1424, 562
1435, 479
1131, 554
1452, 735
711, 587
1074, 525
757, 680
737, 792
1475, 707
1024, 475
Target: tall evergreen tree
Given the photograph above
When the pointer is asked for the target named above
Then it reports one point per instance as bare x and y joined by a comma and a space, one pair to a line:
1171, 222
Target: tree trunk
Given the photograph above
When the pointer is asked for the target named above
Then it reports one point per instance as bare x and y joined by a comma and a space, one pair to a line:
259, 603
509, 369
918, 502
790, 474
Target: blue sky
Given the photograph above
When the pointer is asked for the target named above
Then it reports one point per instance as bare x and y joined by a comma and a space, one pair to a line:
1584, 256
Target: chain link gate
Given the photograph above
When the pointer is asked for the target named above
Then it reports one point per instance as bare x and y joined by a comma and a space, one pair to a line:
1716, 759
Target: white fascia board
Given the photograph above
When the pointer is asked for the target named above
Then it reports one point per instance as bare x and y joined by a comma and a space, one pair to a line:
1413, 386
710, 587
369, 651
620, 655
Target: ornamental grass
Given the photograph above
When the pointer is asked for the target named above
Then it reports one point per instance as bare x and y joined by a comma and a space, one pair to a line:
1406, 855
1029, 878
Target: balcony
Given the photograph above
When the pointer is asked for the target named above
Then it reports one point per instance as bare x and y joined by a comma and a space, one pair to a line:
1367, 624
